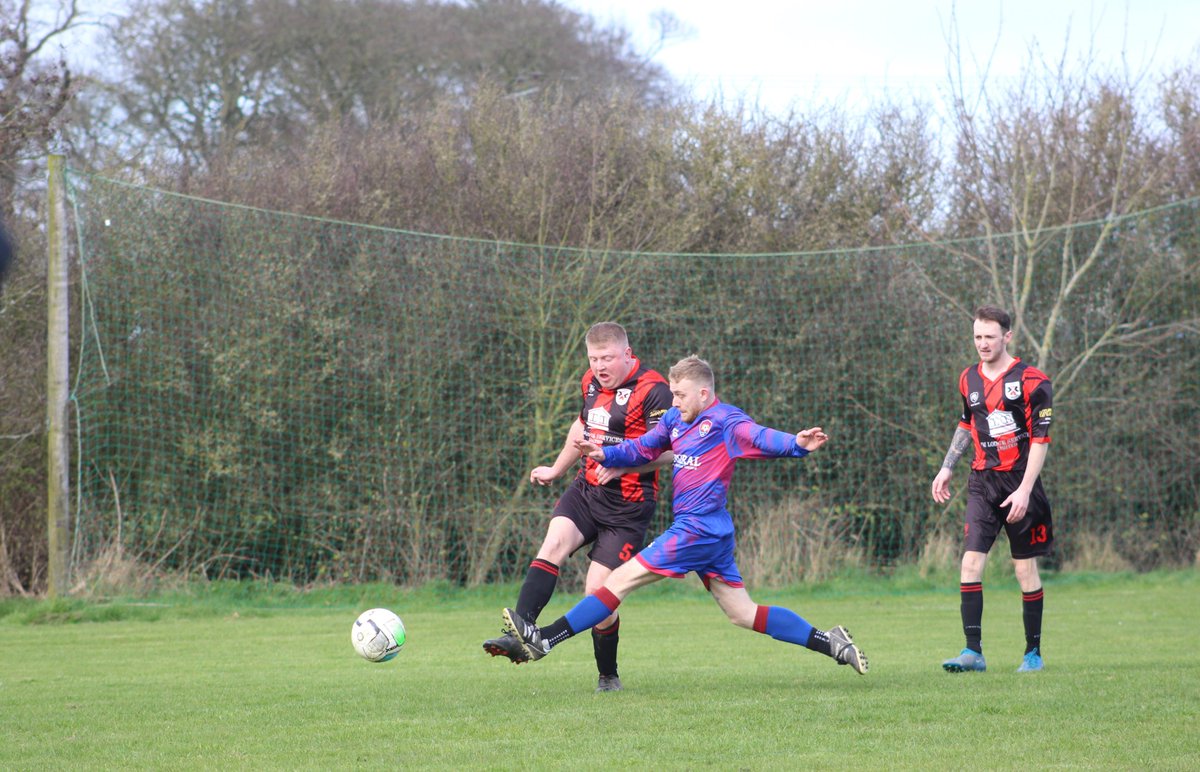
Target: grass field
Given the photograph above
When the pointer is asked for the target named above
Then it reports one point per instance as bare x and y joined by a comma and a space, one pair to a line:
259, 676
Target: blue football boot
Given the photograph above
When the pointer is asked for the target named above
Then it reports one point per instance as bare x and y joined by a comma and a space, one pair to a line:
967, 662
1032, 662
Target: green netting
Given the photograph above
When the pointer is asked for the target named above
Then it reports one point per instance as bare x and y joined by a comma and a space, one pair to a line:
261, 394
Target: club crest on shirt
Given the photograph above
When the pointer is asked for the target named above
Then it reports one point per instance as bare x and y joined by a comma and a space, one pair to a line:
623, 395
591, 389
974, 398
1012, 389
705, 427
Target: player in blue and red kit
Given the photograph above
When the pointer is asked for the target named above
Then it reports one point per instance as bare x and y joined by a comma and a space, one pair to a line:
707, 437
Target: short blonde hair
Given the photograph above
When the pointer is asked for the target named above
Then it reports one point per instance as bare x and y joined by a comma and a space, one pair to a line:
693, 368
607, 332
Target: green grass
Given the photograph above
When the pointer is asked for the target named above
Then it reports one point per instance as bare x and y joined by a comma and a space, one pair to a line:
259, 676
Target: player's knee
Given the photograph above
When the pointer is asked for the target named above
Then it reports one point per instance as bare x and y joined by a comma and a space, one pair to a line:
552, 553
1027, 573
741, 619
593, 584
972, 565
741, 614
555, 548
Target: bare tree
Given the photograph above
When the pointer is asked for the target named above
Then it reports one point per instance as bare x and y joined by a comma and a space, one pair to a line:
1180, 100
34, 87
1062, 147
200, 78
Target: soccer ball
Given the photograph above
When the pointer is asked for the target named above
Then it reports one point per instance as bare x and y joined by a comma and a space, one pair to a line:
377, 635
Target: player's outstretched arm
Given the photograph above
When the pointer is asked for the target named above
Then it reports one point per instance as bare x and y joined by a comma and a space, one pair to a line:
629, 453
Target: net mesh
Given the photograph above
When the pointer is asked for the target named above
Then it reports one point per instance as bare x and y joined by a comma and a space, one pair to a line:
267, 395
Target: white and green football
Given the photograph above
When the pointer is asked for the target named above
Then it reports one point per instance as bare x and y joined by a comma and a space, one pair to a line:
377, 635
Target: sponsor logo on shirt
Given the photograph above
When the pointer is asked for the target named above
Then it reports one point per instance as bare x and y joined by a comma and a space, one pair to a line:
1012, 390
683, 460
1000, 422
1005, 443
598, 418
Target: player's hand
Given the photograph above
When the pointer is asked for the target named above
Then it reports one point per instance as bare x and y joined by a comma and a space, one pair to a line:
589, 449
811, 439
941, 485
1018, 504
605, 474
542, 475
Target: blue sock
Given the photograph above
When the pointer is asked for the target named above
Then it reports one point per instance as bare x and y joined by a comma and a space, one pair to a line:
783, 625
587, 613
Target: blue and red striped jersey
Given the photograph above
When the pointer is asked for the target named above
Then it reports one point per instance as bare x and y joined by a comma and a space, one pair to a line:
705, 453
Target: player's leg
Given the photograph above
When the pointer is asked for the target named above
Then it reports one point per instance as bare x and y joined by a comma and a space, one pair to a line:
1028, 539
970, 589
563, 537
970, 585
586, 614
606, 636
982, 525
1031, 612
620, 536
570, 528
783, 624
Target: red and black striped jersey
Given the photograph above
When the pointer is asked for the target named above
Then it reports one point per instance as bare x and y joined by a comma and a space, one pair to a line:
1006, 414
626, 412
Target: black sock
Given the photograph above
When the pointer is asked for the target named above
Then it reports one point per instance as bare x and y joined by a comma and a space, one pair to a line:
818, 641
972, 614
557, 631
1031, 610
539, 584
604, 644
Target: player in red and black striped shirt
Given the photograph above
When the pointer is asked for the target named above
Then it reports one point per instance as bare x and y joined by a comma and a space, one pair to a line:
607, 508
1006, 416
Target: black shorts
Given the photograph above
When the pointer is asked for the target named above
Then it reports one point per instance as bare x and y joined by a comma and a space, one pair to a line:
615, 529
1030, 537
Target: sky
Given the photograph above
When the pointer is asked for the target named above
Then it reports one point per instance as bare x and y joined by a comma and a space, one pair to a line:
776, 53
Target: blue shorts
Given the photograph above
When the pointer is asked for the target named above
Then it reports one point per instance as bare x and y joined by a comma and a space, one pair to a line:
680, 550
